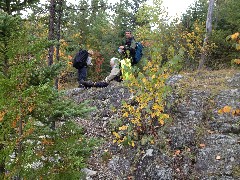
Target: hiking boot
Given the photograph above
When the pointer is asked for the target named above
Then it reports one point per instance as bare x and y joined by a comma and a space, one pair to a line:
81, 86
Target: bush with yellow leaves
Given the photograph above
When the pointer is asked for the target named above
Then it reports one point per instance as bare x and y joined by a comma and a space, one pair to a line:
235, 38
145, 114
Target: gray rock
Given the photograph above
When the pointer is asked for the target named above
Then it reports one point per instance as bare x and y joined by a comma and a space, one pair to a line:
234, 81
195, 120
174, 79
119, 166
182, 136
89, 172
220, 155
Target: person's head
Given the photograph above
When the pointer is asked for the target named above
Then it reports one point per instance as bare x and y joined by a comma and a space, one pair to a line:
128, 34
113, 62
90, 52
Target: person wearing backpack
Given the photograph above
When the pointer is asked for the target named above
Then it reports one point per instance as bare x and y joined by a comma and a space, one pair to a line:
128, 50
81, 62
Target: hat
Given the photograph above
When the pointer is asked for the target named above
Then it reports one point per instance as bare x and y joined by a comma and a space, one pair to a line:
90, 51
114, 60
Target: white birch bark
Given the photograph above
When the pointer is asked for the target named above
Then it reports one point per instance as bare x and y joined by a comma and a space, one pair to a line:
208, 33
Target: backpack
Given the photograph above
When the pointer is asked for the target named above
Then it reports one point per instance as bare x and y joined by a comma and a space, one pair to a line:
80, 60
138, 53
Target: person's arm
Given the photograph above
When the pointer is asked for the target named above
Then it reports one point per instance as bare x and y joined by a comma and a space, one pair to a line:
132, 47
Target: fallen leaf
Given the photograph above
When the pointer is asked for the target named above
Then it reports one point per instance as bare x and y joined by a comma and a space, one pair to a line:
227, 109
218, 157
177, 152
220, 111
210, 132
202, 145
178, 170
236, 112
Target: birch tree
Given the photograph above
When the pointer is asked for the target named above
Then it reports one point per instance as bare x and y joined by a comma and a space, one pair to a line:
208, 33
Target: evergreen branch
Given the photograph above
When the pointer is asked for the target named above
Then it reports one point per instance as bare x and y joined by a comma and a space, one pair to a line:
84, 9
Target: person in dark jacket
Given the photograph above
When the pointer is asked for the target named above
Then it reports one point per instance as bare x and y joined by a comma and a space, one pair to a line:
82, 72
128, 50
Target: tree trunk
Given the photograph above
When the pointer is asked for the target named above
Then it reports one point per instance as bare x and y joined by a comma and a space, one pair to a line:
20, 133
58, 33
51, 37
208, 33
2, 165
51, 31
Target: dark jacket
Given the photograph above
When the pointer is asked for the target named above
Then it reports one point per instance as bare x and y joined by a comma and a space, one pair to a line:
129, 48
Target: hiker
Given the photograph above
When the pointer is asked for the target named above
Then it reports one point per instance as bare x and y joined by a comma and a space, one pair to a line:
128, 50
81, 62
115, 74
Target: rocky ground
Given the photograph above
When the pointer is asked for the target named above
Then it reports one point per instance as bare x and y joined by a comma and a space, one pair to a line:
201, 142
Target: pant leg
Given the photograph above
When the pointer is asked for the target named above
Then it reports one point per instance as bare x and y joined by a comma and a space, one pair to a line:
101, 84
82, 74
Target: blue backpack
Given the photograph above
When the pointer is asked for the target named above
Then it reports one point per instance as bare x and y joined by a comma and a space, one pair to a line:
138, 53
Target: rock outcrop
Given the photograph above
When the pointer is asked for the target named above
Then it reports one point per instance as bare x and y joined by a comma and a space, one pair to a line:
200, 143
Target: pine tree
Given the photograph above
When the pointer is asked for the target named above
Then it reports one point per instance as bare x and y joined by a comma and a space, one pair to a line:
29, 104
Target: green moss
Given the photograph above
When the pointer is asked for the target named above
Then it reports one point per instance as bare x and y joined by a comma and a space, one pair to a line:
213, 81
236, 171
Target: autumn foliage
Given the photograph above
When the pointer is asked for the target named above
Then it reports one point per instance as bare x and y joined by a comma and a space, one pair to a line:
235, 39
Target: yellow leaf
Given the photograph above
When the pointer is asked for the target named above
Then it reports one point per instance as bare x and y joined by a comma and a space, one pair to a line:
119, 141
30, 108
227, 109
133, 144
2, 115
144, 80
234, 36
238, 46
123, 128
165, 116
236, 112
236, 61
125, 114
116, 135
161, 121
220, 111
157, 106
153, 115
